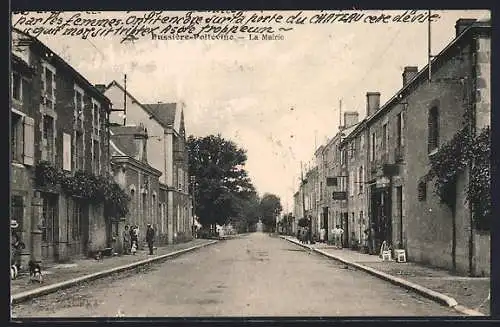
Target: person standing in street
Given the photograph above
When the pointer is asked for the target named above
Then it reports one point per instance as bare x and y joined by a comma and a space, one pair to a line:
340, 234
150, 235
126, 240
337, 236
322, 233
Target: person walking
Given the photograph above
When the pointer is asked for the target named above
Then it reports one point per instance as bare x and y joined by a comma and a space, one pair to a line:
126, 240
150, 235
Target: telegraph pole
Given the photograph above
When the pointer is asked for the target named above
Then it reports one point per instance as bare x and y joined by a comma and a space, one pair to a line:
429, 55
125, 100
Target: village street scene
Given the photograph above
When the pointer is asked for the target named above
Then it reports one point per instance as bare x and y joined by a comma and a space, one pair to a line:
253, 177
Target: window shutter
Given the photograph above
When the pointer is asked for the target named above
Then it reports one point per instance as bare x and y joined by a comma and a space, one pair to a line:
29, 141
66, 151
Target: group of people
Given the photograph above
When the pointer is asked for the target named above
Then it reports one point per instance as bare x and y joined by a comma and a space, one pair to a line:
304, 235
130, 237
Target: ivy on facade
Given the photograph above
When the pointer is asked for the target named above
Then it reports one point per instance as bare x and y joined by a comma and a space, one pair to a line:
86, 186
462, 151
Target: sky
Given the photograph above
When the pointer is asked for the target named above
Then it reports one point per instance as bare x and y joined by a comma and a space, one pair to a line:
279, 100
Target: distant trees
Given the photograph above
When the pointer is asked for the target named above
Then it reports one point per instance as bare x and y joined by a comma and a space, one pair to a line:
270, 209
223, 190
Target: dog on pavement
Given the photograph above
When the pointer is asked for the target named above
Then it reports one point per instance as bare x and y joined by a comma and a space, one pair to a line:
133, 250
35, 272
13, 272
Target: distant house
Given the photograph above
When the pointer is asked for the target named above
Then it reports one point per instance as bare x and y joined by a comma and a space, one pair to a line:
132, 172
59, 121
167, 153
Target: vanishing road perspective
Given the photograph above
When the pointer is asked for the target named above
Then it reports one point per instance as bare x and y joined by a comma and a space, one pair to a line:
250, 163
255, 274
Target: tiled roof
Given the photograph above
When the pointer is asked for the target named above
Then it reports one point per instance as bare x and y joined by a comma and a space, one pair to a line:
123, 138
163, 112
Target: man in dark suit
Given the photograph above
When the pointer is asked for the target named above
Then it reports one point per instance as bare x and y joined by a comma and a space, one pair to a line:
150, 235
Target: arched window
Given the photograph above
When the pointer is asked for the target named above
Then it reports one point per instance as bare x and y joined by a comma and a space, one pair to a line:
433, 124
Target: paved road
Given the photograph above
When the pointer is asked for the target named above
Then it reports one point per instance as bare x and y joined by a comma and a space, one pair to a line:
255, 275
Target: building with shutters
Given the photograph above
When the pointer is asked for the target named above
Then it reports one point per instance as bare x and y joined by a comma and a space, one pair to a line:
59, 119
378, 171
167, 151
434, 112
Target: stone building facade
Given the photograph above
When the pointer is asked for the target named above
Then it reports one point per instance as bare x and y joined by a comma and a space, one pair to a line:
167, 153
63, 123
385, 160
460, 81
132, 172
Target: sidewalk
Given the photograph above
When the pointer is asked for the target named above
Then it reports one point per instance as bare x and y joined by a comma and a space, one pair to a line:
470, 292
54, 273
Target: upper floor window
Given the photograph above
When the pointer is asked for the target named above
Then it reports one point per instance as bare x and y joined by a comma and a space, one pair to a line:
399, 129
96, 164
360, 179
433, 125
17, 87
96, 119
79, 105
78, 151
372, 147
385, 138
49, 86
48, 138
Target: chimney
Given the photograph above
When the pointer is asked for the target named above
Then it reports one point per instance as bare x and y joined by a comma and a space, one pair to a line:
100, 87
350, 118
409, 73
462, 24
372, 102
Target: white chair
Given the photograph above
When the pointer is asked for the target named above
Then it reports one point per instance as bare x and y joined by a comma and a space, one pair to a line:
386, 255
400, 255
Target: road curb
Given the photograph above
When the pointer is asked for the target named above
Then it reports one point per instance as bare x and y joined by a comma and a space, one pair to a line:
428, 293
31, 294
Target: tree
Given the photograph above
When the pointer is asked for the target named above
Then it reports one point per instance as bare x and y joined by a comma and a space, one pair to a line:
221, 181
248, 212
270, 208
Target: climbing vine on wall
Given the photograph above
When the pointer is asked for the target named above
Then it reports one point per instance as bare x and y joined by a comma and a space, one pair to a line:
453, 158
87, 186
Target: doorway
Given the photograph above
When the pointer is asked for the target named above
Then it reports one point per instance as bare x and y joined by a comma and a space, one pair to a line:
345, 227
381, 216
325, 221
50, 226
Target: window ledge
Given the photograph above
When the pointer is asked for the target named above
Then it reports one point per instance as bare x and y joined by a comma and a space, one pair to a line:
18, 164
